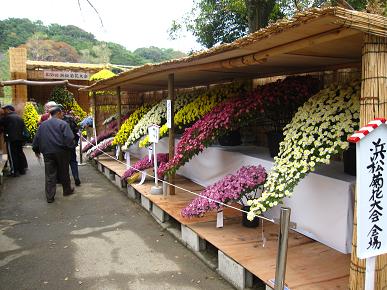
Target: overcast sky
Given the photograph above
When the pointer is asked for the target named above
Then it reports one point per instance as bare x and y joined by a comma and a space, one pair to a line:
132, 23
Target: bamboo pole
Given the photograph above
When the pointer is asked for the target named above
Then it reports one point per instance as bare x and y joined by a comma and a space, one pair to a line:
372, 105
171, 97
40, 83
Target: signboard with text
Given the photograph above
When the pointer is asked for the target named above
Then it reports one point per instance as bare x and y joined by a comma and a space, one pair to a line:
153, 132
371, 164
65, 75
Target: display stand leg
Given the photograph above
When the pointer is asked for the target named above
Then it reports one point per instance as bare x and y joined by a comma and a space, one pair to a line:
282, 249
156, 189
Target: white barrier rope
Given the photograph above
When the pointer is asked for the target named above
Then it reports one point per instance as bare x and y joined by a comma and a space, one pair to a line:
181, 188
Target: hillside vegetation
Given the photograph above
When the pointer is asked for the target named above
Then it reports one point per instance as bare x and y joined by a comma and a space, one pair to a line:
70, 43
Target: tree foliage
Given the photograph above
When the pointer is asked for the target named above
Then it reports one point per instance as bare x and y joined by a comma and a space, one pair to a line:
70, 43
214, 22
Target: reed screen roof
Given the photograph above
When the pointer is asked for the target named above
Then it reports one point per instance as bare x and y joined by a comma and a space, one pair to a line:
319, 39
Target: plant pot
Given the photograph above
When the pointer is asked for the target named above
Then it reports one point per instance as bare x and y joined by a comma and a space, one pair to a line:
349, 158
245, 222
274, 138
232, 138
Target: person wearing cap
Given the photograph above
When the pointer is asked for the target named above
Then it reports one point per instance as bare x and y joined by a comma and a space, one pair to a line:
54, 139
13, 134
47, 115
69, 119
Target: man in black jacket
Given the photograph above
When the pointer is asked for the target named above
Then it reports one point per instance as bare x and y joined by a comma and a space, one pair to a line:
13, 135
54, 139
73, 154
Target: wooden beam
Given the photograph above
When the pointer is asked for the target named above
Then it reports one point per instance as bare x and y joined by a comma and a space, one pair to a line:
94, 106
171, 97
119, 113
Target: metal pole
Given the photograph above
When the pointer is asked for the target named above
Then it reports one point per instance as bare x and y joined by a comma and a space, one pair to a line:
282, 249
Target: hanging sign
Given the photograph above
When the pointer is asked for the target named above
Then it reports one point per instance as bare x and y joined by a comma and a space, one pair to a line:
371, 171
153, 132
169, 114
65, 75
127, 157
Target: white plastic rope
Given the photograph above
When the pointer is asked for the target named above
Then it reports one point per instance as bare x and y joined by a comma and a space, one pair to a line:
144, 173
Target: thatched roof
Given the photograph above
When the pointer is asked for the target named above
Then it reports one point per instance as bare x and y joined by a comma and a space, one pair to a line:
314, 40
33, 64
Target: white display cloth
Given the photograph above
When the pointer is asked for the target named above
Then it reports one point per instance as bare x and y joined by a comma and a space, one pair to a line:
322, 204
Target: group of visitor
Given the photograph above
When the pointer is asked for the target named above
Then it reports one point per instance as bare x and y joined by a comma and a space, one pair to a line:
56, 139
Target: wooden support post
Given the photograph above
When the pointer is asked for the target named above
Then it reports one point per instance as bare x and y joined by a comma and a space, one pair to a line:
171, 96
94, 104
18, 70
119, 113
373, 104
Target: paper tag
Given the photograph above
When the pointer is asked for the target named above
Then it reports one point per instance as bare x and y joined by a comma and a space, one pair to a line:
219, 219
118, 149
169, 114
127, 157
150, 153
143, 176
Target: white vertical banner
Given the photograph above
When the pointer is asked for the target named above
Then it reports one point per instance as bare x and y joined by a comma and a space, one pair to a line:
169, 113
371, 166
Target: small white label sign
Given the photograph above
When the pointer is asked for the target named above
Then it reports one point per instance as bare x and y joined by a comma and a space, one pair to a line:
219, 219
169, 114
153, 132
65, 75
371, 171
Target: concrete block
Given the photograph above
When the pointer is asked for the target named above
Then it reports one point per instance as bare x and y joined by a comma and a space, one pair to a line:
233, 272
159, 213
100, 167
191, 239
146, 203
120, 183
109, 174
131, 191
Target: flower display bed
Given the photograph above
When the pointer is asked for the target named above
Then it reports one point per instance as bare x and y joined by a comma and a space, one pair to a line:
312, 265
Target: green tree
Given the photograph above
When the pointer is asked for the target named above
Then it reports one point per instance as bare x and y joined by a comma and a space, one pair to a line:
96, 54
221, 21
214, 21
120, 55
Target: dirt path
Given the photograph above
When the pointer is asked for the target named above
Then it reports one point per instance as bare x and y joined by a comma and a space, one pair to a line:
95, 239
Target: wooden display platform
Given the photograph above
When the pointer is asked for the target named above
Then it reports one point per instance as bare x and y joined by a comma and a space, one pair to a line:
173, 204
311, 265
